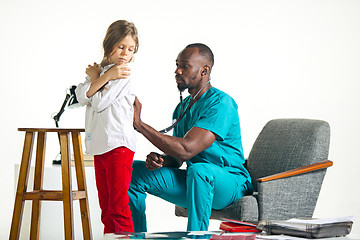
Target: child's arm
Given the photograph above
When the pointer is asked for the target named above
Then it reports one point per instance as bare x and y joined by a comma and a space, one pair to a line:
116, 72
93, 71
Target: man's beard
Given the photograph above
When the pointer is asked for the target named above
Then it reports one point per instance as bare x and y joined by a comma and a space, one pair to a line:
182, 85
182, 88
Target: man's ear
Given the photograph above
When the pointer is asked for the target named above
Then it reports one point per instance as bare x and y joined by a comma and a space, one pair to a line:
206, 70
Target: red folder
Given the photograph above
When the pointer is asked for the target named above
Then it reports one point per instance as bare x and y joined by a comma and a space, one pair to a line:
230, 225
233, 237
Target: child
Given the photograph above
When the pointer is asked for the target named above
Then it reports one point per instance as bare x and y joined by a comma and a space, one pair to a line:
109, 130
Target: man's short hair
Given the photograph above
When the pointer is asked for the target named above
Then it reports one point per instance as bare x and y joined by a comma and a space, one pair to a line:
204, 51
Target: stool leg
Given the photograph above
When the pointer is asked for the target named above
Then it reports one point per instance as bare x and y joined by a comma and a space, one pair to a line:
38, 183
81, 182
67, 188
22, 186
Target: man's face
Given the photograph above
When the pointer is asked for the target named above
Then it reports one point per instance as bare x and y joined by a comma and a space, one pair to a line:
188, 64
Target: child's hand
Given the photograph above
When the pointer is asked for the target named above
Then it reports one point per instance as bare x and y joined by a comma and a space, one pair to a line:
118, 72
93, 71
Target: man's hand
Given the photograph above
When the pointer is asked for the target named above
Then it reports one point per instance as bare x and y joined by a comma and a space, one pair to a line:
154, 161
93, 71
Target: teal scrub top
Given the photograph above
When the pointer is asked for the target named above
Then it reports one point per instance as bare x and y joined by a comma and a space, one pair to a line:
217, 112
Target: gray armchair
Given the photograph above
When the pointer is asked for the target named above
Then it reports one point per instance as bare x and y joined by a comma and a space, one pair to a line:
287, 164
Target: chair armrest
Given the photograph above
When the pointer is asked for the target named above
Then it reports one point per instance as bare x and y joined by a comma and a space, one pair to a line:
297, 171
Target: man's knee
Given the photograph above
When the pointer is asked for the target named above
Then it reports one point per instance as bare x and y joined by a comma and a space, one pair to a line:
138, 163
138, 168
137, 175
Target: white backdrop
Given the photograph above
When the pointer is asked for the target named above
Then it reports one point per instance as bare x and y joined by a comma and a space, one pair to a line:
278, 59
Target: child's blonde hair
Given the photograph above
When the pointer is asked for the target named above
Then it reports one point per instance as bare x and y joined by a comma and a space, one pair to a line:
115, 33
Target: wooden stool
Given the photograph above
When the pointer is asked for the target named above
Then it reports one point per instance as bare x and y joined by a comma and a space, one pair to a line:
67, 195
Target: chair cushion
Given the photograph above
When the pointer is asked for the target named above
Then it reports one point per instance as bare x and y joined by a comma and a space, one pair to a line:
244, 209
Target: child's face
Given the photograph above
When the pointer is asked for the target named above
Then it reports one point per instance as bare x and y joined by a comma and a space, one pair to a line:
123, 51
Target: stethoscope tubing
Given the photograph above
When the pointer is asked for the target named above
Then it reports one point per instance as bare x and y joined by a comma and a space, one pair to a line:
182, 114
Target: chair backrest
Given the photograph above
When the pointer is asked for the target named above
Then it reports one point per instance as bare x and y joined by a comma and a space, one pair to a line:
284, 144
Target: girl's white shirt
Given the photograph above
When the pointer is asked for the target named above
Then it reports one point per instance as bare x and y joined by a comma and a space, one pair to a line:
109, 115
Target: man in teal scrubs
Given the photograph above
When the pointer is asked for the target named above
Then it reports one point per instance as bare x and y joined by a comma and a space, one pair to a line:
207, 138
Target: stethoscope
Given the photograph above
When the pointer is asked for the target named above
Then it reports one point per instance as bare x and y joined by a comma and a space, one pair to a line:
182, 113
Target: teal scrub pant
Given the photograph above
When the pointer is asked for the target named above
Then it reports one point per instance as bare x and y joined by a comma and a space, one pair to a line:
199, 188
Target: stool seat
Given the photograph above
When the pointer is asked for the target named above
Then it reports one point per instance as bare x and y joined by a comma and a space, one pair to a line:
66, 195
59, 130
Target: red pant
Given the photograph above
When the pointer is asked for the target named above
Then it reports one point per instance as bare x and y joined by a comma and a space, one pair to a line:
113, 175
